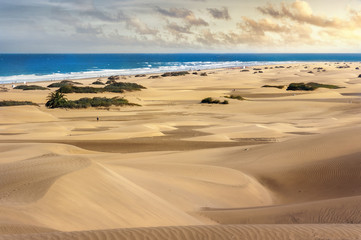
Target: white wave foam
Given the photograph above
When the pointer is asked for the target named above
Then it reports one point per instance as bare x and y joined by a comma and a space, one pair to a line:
166, 67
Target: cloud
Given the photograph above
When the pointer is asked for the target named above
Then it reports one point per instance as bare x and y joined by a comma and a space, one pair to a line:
140, 27
300, 11
175, 28
219, 13
175, 12
262, 26
183, 13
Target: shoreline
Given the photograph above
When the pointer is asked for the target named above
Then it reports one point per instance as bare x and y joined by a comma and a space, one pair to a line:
133, 73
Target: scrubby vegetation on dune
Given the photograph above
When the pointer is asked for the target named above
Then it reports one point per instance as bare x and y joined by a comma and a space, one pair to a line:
125, 86
58, 100
235, 97
7, 103
117, 87
174, 74
210, 100
98, 102
75, 89
63, 83
309, 86
30, 87
274, 86
98, 82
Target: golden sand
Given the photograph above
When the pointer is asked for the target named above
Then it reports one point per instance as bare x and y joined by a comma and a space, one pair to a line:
278, 165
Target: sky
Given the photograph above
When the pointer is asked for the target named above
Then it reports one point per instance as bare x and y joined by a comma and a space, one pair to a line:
180, 26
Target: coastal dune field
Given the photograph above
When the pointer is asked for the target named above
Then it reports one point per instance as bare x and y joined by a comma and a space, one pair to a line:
279, 164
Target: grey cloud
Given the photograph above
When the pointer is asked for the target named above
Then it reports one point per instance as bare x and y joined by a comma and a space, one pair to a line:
219, 13
174, 12
183, 13
139, 27
175, 28
88, 29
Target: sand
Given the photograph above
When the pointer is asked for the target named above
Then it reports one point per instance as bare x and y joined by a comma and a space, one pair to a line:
278, 165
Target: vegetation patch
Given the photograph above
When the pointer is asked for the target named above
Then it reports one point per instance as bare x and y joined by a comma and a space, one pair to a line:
58, 100
235, 97
210, 100
309, 86
111, 81
30, 87
115, 77
98, 82
63, 83
118, 87
274, 86
15, 103
127, 86
154, 77
75, 89
174, 74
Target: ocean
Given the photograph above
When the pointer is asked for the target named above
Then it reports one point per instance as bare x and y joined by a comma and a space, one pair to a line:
41, 67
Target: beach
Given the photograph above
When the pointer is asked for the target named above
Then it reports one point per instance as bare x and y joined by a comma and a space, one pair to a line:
279, 164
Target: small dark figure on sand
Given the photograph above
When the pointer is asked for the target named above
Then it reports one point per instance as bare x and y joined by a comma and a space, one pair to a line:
97, 118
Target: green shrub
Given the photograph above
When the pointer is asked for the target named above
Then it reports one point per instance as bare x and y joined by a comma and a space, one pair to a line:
274, 86
309, 86
110, 81
7, 103
86, 102
174, 74
74, 89
120, 86
210, 100
98, 82
235, 97
30, 87
62, 83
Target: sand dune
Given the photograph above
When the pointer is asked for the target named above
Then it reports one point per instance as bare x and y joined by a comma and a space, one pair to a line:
177, 169
299, 232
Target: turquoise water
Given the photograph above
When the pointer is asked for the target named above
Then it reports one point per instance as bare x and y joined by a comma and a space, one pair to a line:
40, 67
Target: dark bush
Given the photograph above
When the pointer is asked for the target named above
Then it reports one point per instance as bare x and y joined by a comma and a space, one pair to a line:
274, 86
111, 81
7, 103
309, 86
204, 74
118, 87
121, 86
98, 82
116, 77
30, 87
154, 77
210, 100
174, 74
63, 83
235, 97
90, 102
75, 89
